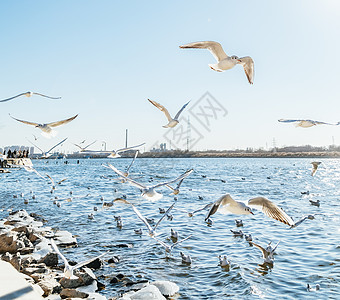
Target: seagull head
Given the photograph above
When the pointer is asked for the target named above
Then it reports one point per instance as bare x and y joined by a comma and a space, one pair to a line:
247, 210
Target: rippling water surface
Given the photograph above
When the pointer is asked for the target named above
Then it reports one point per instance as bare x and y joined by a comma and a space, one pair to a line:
309, 253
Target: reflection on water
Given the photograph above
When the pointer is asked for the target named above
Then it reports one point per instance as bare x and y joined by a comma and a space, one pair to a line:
306, 254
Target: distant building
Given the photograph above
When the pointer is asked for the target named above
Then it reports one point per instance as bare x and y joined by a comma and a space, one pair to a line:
162, 148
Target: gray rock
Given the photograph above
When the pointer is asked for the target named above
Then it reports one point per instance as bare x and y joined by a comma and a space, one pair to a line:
50, 259
9, 242
48, 285
72, 293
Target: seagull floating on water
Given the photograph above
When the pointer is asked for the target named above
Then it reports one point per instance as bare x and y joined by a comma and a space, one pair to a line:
310, 289
237, 233
239, 223
68, 270
149, 192
29, 94
152, 231
172, 121
226, 204
224, 62
306, 123
315, 166
46, 128
223, 261
173, 235
186, 259
315, 203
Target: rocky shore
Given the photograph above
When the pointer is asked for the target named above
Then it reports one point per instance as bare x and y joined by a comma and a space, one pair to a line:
25, 244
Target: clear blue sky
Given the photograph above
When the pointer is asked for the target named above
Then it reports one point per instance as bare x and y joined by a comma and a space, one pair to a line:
105, 58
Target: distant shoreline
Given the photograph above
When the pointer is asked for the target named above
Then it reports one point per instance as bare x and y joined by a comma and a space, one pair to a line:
207, 154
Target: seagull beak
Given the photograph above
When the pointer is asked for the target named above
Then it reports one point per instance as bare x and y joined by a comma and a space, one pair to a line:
251, 212
239, 60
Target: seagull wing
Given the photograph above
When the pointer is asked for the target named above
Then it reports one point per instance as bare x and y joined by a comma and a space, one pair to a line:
289, 121
134, 158
215, 48
248, 66
36, 172
36, 146
139, 215
50, 179
22, 94
62, 122
46, 96
55, 248
275, 247
271, 210
25, 122
180, 111
56, 145
119, 173
81, 264
59, 182
168, 210
162, 108
129, 148
203, 208
181, 241
162, 243
184, 175
87, 145
264, 252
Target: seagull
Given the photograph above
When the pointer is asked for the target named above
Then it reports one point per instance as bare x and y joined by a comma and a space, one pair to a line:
149, 193
172, 121
226, 204
310, 289
29, 94
238, 223
82, 149
152, 231
47, 127
139, 231
173, 235
248, 237
68, 270
223, 261
315, 203
315, 166
238, 233
306, 123
186, 259
191, 214
115, 153
168, 248
224, 62
175, 191
267, 253
309, 217
47, 154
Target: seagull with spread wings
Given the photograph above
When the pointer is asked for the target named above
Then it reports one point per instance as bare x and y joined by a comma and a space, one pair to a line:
152, 231
29, 94
172, 121
306, 123
149, 192
267, 253
82, 149
168, 248
47, 154
224, 62
226, 205
68, 270
46, 128
115, 153
315, 166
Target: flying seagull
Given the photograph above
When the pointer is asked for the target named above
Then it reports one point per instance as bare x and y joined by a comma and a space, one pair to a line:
191, 214
29, 94
68, 270
226, 204
149, 192
115, 153
152, 231
172, 121
315, 166
168, 248
224, 62
306, 123
47, 127
47, 154
267, 253
82, 149
31, 169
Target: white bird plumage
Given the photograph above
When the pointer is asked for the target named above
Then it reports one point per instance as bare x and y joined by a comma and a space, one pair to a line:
267, 253
306, 123
29, 94
226, 204
224, 62
172, 121
47, 154
315, 167
68, 270
168, 248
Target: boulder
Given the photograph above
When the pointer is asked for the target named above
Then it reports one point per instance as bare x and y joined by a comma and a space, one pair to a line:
167, 288
72, 293
9, 242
